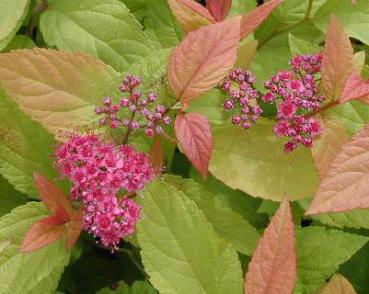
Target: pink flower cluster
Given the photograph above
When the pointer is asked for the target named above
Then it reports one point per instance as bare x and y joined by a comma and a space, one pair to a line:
242, 96
100, 172
297, 90
150, 120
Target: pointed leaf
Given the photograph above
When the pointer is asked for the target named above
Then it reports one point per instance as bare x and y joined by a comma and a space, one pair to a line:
219, 9
183, 254
329, 144
157, 156
354, 88
43, 233
246, 53
58, 89
273, 265
203, 58
359, 60
338, 60
74, 228
190, 14
102, 28
346, 185
338, 285
194, 134
254, 18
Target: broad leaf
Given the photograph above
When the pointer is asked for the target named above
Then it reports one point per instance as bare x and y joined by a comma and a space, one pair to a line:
273, 264
20, 42
338, 284
203, 58
86, 26
58, 89
36, 272
190, 14
19, 158
228, 224
246, 53
219, 9
321, 251
254, 18
183, 254
157, 156
254, 162
11, 17
138, 287
9, 197
338, 60
355, 88
358, 218
194, 134
345, 186
299, 46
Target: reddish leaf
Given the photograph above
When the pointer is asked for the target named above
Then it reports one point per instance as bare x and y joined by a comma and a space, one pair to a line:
157, 157
329, 144
51, 195
254, 18
355, 88
190, 14
338, 60
46, 231
338, 285
273, 265
203, 58
346, 185
74, 228
219, 9
194, 134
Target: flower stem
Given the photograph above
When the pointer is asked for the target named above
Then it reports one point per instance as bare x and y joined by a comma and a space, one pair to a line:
322, 109
308, 11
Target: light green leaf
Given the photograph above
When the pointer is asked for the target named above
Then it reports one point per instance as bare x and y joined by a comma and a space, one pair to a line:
9, 197
138, 287
102, 28
254, 161
19, 157
242, 7
161, 25
359, 59
321, 251
353, 17
36, 272
299, 46
20, 42
353, 115
229, 225
180, 250
352, 219
12, 14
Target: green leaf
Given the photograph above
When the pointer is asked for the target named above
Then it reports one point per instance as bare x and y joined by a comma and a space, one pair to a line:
12, 14
138, 287
19, 158
102, 28
321, 251
180, 250
161, 25
229, 225
299, 46
353, 17
353, 115
9, 197
254, 161
357, 219
242, 7
36, 272
20, 42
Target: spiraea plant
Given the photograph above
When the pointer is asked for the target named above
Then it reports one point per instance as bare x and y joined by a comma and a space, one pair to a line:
176, 146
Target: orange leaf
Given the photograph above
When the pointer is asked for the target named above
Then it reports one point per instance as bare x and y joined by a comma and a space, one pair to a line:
51, 195
338, 285
338, 60
273, 265
194, 134
329, 144
203, 58
254, 18
157, 156
74, 228
46, 231
190, 14
355, 88
346, 185
219, 9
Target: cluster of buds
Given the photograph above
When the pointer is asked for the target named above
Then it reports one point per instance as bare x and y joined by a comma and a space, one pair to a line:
100, 173
242, 98
298, 93
145, 114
